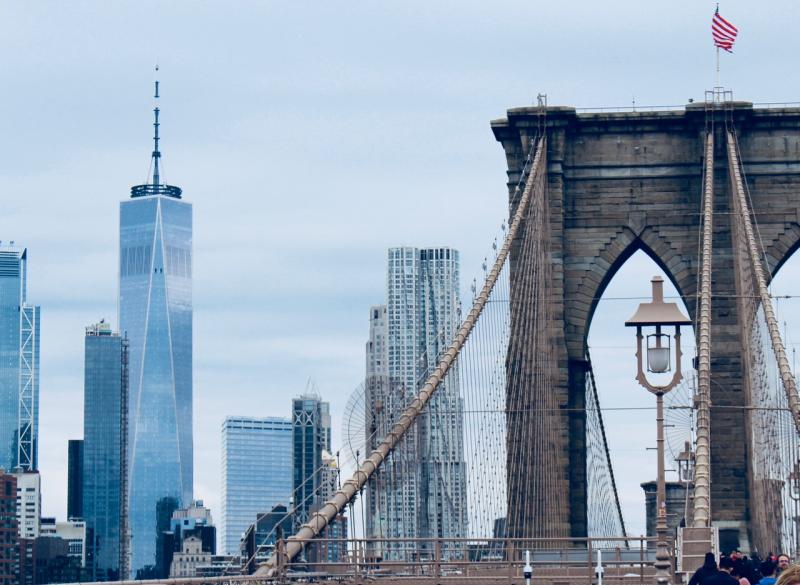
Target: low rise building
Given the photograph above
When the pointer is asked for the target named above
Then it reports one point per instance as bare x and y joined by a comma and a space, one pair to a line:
191, 556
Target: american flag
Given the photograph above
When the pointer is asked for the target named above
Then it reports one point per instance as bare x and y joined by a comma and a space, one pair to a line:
723, 32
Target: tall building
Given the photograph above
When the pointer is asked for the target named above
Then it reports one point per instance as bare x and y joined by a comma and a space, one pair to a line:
155, 311
333, 547
75, 477
19, 363
377, 346
311, 435
105, 415
9, 535
421, 490
29, 502
256, 473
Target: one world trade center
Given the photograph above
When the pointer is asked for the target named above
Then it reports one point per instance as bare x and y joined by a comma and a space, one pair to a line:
155, 311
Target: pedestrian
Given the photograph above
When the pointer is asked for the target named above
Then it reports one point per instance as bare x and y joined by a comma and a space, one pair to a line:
768, 572
783, 563
790, 575
723, 576
709, 568
738, 572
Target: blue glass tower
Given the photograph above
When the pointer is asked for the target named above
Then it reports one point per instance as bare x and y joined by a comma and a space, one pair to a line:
155, 311
105, 411
19, 364
256, 473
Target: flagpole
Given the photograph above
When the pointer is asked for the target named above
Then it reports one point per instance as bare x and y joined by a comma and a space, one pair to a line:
717, 86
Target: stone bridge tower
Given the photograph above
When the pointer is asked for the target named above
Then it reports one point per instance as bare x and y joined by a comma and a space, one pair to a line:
618, 183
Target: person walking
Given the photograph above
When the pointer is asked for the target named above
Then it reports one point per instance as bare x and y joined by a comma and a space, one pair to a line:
790, 575
783, 563
709, 568
768, 572
723, 576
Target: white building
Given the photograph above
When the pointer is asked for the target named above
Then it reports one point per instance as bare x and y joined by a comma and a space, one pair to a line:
191, 556
73, 531
29, 502
421, 492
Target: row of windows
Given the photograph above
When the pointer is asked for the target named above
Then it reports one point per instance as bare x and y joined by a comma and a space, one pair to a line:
137, 260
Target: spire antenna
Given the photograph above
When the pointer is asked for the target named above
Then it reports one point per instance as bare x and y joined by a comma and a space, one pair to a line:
155, 186
156, 152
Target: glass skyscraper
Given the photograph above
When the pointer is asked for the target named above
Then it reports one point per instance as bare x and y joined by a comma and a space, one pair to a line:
311, 434
155, 311
256, 473
19, 364
421, 490
105, 411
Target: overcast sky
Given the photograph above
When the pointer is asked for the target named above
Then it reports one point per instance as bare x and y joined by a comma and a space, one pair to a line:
311, 136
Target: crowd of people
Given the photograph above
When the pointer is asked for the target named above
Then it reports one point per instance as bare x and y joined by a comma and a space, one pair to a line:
737, 569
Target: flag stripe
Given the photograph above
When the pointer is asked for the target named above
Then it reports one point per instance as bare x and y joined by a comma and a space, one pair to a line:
721, 22
723, 32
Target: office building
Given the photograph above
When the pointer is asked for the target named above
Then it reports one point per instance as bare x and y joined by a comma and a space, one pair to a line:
9, 535
155, 312
105, 408
256, 473
422, 315
194, 520
75, 478
73, 532
311, 435
19, 363
29, 502
259, 541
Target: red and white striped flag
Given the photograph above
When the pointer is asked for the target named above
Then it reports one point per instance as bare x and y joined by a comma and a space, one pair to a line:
723, 32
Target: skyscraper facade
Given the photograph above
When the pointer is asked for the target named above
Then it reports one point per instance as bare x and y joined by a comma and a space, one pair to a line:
75, 477
155, 311
9, 535
311, 435
256, 473
422, 491
19, 364
105, 412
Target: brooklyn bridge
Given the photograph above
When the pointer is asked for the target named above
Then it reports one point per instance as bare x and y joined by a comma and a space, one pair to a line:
711, 193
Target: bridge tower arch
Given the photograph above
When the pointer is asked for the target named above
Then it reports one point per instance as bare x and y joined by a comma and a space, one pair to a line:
617, 183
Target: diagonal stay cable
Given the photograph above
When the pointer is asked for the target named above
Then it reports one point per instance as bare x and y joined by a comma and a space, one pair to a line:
766, 302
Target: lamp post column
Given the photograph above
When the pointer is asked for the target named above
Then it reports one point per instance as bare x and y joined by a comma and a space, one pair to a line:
663, 564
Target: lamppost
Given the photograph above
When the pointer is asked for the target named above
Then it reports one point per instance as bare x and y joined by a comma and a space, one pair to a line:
659, 315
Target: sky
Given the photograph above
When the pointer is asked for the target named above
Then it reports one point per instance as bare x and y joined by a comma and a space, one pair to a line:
310, 137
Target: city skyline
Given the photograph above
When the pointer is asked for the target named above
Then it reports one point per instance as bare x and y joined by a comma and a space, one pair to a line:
258, 119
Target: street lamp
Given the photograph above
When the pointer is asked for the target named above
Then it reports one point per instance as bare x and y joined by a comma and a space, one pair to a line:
659, 315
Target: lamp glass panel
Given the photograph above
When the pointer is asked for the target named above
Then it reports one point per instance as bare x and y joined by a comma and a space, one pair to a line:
658, 359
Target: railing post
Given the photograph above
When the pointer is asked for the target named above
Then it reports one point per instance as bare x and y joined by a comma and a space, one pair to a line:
358, 562
589, 559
